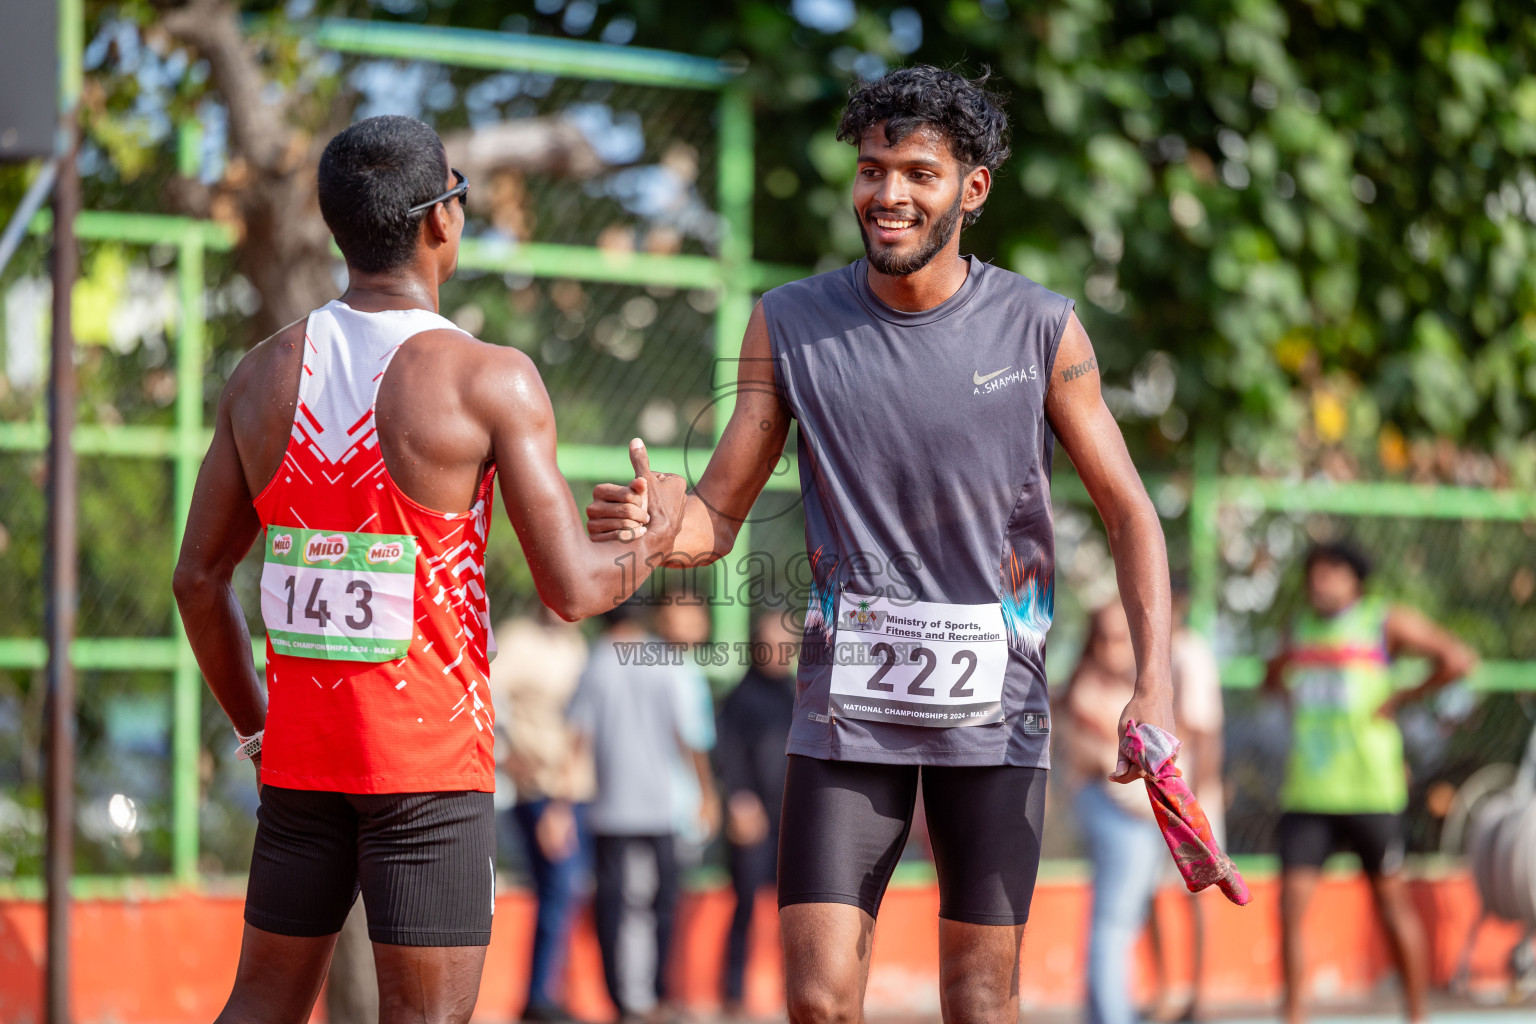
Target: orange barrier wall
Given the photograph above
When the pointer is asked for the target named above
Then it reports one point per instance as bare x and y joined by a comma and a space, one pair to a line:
168, 960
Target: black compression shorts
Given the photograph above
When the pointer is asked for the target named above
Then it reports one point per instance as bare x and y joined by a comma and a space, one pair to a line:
424, 862
845, 823
1307, 840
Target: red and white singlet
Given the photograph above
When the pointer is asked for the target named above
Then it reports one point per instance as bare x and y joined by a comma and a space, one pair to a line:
375, 606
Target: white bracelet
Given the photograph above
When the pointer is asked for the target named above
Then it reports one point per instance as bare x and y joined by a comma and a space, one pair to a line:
250, 746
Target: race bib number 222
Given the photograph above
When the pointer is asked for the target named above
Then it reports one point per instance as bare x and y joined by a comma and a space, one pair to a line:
918, 662
337, 595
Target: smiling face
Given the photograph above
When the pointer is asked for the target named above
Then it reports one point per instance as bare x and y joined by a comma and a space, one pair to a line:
909, 197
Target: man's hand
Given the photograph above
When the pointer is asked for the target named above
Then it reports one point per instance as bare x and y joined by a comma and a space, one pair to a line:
623, 511
256, 760
746, 821
556, 831
665, 494
1150, 708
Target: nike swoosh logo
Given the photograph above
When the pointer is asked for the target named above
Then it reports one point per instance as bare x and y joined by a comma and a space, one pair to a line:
979, 380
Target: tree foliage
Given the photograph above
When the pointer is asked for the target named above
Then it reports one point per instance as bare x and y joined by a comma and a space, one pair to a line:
1303, 226
1322, 212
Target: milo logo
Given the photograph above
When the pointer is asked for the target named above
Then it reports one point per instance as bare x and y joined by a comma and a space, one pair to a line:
282, 543
388, 552
321, 548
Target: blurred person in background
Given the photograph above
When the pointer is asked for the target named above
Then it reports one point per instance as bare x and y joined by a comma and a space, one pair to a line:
754, 731
532, 682
684, 619
1197, 710
1125, 847
1346, 783
627, 713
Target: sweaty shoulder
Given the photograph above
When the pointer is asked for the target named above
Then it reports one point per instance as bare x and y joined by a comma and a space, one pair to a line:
260, 400
499, 372
262, 393
476, 375
266, 380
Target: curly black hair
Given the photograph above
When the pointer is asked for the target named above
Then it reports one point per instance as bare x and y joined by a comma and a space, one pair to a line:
963, 110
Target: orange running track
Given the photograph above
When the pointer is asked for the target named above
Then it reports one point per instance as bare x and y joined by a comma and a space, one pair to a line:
170, 959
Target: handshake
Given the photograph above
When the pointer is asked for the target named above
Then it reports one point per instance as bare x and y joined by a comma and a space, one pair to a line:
651, 503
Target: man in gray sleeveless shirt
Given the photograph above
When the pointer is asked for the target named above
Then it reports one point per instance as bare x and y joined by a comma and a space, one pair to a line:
929, 390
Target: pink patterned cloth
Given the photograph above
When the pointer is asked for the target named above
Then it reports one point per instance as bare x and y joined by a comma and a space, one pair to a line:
1184, 825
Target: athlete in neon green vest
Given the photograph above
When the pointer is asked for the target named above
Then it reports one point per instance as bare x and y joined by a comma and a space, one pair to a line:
1346, 784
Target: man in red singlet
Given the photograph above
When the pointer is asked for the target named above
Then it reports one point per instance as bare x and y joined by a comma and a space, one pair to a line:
359, 446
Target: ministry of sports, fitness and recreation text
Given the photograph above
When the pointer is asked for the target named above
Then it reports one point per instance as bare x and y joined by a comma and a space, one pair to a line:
937, 665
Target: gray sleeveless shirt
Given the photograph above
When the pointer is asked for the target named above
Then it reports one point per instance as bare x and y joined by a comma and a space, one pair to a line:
925, 466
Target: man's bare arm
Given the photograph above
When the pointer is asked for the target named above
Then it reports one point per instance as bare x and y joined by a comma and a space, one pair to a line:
1412, 633
1092, 438
221, 527
574, 576
738, 471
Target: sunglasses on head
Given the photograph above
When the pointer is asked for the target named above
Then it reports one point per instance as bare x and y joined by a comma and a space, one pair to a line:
460, 191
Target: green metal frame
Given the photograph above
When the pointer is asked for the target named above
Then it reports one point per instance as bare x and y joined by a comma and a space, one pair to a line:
1211, 493
734, 274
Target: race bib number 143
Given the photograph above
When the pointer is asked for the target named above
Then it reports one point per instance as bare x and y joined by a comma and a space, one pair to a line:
339, 596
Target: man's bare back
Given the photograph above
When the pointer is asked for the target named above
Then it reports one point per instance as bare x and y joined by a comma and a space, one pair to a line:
432, 414
448, 407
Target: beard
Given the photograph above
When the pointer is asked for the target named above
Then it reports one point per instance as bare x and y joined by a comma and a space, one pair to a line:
894, 264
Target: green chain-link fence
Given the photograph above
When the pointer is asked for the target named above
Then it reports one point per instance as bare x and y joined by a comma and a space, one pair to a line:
1465, 560
630, 287
1465, 557
626, 282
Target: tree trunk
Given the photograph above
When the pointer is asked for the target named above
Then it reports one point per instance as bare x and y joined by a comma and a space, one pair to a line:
268, 190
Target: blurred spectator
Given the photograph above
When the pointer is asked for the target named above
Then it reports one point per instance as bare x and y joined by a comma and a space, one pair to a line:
1125, 847
754, 734
627, 712
1198, 719
684, 620
532, 681
1346, 783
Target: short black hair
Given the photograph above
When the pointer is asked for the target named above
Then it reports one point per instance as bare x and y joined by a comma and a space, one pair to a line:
969, 116
1341, 552
370, 175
